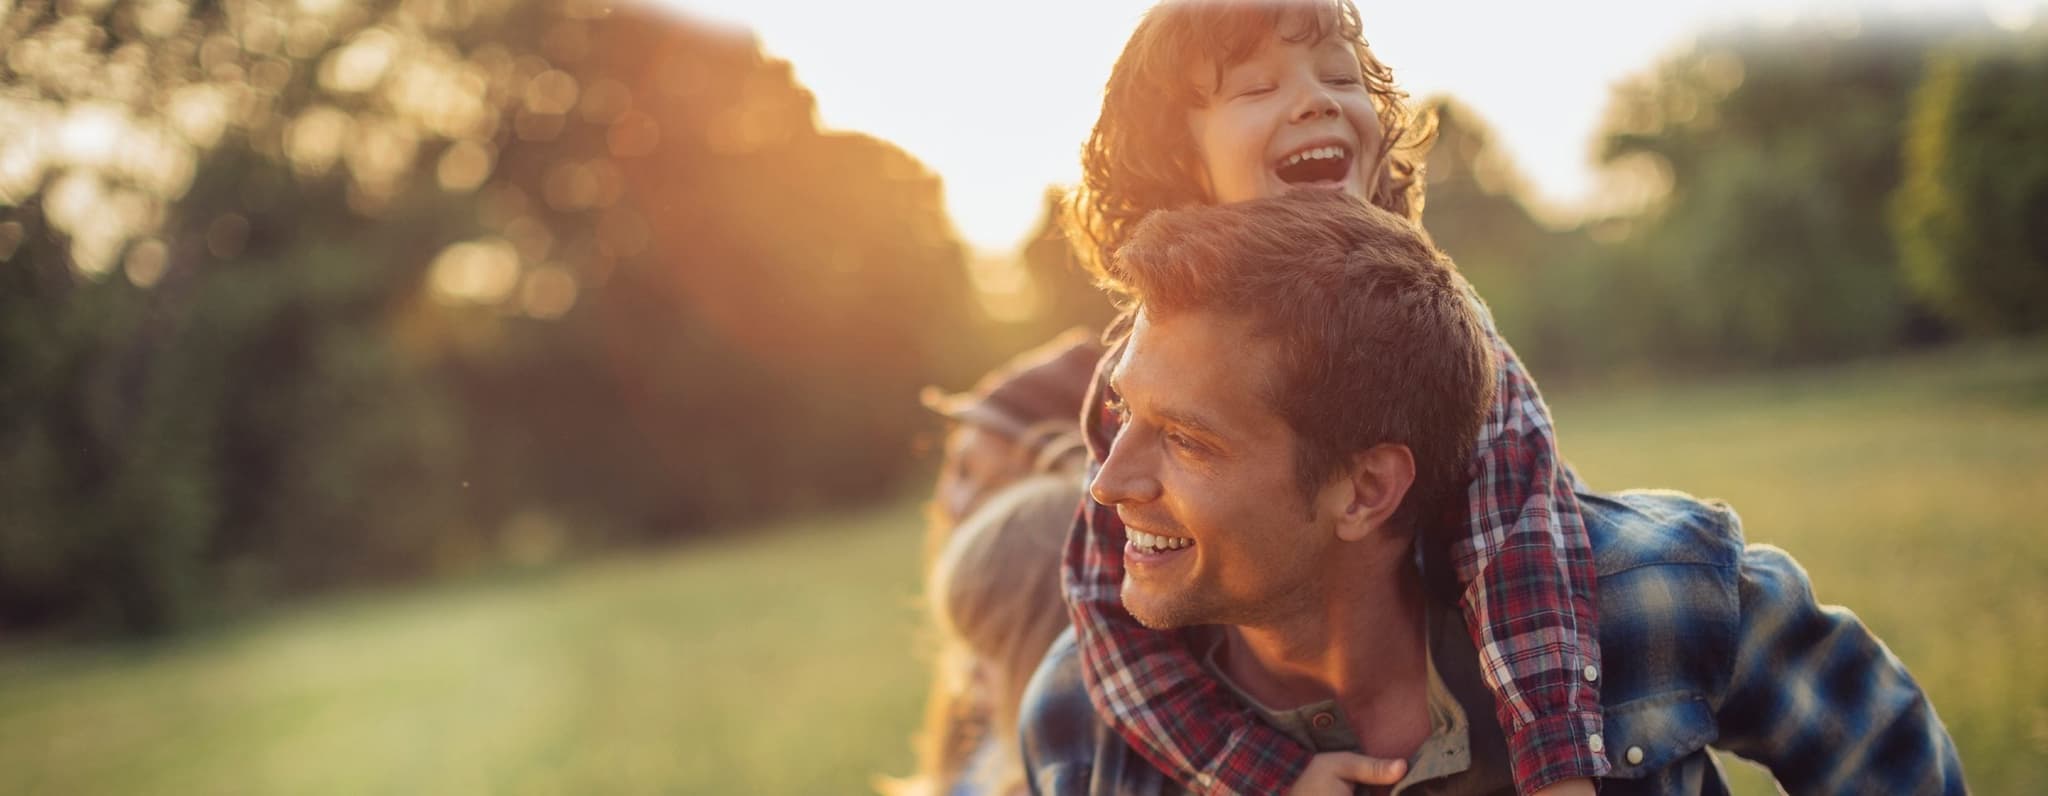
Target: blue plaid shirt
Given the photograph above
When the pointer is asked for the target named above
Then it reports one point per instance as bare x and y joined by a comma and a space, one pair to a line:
1706, 641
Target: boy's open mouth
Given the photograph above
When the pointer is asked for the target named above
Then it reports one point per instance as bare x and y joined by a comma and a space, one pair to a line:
1315, 165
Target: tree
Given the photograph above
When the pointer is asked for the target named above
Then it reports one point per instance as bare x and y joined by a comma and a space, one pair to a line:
319, 294
1972, 216
1769, 235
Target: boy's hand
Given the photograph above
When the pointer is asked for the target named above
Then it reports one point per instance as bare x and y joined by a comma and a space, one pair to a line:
1569, 787
1338, 773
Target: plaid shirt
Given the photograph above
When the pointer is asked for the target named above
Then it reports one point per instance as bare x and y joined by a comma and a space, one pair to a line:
1711, 642
1528, 580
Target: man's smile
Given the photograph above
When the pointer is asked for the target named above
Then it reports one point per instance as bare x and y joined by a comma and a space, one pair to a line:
1149, 549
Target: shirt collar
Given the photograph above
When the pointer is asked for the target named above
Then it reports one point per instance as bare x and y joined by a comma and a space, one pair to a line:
1323, 726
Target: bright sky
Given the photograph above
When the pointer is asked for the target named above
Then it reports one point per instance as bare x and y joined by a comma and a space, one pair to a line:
997, 96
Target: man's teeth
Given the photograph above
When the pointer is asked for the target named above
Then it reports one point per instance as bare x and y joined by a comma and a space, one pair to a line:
1319, 153
1149, 541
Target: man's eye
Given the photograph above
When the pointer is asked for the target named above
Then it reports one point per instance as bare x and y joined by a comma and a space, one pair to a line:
1183, 442
1342, 80
1255, 91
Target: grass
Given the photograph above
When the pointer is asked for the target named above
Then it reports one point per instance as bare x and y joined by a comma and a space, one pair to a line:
1909, 489
779, 660
775, 664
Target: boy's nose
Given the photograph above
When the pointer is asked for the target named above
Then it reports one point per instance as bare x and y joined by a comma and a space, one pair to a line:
1316, 104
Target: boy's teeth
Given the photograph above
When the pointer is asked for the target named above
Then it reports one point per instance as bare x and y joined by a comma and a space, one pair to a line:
1317, 153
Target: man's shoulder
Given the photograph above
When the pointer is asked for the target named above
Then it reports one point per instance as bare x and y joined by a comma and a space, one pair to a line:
1707, 640
1669, 568
1654, 527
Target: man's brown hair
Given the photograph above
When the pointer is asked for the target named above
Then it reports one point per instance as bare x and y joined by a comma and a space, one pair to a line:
1141, 157
1376, 338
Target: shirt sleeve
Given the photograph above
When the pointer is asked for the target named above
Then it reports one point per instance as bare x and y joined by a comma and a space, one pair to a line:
1820, 701
1145, 683
1526, 566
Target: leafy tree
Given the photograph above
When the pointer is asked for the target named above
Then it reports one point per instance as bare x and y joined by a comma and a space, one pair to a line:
330, 293
1476, 211
1768, 234
1972, 216
1068, 296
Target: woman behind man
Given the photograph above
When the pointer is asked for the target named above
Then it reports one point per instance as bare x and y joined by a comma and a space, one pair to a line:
994, 597
1021, 419
1006, 495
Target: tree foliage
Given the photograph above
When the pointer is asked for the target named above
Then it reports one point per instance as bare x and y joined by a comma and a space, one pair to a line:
309, 294
1972, 217
1769, 233
1530, 273
1751, 179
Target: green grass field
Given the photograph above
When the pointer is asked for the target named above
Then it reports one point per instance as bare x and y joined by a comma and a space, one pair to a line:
779, 660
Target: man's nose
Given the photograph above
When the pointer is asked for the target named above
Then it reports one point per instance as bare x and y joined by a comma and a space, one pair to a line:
1126, 474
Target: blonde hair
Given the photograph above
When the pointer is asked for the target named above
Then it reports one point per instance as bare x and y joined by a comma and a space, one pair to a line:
994, 597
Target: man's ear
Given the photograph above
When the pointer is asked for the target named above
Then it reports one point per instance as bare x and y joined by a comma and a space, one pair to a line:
1376, 481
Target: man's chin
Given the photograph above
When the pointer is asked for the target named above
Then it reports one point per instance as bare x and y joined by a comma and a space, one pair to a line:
1154, 611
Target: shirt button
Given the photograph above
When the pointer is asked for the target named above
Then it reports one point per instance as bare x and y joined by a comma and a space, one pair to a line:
1591, 672
1323, 720
1595, 743
1635, 755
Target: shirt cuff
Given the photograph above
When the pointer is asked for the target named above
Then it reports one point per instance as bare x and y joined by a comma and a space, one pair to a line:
1553, 749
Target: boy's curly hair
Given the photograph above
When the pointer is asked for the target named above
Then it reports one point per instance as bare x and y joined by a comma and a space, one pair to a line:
1141, 157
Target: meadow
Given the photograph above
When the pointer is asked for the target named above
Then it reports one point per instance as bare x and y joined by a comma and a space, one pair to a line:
780, 659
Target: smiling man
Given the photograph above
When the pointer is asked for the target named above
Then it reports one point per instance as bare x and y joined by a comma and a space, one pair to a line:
1299, 393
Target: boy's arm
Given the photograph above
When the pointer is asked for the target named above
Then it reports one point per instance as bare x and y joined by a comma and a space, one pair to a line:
1820, 701
1526, 566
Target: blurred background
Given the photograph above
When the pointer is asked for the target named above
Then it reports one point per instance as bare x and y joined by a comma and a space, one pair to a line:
467, 396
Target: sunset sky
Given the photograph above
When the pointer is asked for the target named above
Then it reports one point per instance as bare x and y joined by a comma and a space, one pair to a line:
997, 96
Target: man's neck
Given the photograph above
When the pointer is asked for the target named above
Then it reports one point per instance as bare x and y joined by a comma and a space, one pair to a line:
1362, 644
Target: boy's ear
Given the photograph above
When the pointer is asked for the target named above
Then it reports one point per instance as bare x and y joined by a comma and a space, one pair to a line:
1376, 480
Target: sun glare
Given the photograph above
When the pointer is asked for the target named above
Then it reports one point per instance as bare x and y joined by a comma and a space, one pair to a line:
997, 97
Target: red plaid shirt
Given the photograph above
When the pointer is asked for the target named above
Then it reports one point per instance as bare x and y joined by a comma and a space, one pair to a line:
1527, 569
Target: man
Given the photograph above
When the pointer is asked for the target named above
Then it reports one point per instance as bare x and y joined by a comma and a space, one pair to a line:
1300, 391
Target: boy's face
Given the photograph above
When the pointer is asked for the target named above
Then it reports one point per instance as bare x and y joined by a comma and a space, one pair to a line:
1204, 463
1292, 115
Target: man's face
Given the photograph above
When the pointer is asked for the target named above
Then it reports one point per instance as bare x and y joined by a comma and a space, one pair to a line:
1293, 115
978, 462
1203, 476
